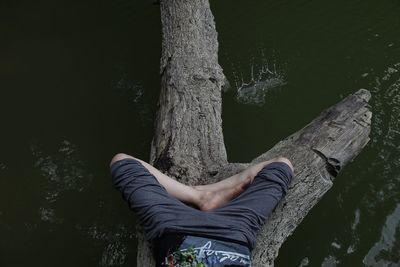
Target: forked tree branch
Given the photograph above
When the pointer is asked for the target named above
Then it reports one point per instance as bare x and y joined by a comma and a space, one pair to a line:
188, 142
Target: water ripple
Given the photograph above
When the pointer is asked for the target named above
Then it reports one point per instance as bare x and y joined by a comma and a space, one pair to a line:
386, 133
62, 171
385, 252
116, 242
385, 189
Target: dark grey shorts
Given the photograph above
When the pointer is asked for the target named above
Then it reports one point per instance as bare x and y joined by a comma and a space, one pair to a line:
239, 220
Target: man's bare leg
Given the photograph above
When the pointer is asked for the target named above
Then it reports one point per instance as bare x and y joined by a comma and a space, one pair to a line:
245, 177
180, 191
217, 193
206, 197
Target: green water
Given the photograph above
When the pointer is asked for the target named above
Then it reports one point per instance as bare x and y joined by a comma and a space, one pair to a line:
79, 82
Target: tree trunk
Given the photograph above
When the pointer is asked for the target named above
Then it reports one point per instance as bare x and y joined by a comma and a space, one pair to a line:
188, 142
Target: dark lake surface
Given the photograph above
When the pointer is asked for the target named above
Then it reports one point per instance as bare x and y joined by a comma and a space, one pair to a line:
80, 81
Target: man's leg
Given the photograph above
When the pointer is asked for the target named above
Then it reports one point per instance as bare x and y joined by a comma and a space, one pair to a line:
248, 211
216, 193
244, 177
178, 190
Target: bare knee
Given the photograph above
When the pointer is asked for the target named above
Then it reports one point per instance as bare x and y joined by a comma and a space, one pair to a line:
120, 156
284, 160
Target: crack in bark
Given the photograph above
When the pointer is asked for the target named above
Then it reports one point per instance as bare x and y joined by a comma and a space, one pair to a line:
164, 161
332, 165
165, 65
362, 123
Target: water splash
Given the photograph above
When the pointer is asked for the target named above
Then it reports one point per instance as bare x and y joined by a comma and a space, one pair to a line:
263, 80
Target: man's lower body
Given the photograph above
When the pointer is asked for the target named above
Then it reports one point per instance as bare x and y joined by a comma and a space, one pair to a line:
233, 209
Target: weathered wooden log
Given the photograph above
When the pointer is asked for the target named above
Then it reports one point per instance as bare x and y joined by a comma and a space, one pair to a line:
188, 142
318, 152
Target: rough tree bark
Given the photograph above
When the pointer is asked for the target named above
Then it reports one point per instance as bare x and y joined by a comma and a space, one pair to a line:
188, 142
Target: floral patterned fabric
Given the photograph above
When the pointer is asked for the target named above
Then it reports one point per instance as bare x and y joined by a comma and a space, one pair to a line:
197, 251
